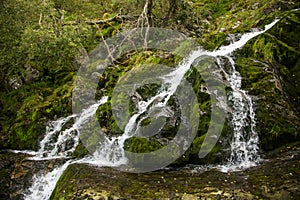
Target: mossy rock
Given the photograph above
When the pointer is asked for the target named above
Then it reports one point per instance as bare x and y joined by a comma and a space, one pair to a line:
269, 65
80, 151
37, 107
81, 181
141, 145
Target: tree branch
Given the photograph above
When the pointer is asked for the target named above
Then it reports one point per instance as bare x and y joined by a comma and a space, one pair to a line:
117, 18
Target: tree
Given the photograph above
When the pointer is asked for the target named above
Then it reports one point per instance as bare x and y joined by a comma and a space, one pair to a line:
149, 5
171, 11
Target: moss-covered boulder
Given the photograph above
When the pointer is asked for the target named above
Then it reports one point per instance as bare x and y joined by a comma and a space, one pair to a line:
276, 179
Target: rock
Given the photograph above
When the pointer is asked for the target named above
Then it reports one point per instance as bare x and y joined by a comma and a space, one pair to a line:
15, 82
31, 74
16, 173
266, 181
189, 197
82, 57
255, 5
96, 76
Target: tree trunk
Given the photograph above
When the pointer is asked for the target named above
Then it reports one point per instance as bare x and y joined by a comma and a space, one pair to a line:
149, 11
171, 11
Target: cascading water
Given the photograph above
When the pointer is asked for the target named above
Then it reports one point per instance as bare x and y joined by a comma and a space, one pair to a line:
244, 145
60, 143
52, 146
44, 184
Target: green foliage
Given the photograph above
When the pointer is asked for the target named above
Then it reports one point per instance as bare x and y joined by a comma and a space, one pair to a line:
40, 49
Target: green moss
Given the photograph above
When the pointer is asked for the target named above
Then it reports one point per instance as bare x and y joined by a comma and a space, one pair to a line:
141, 145
148, 90
37, 106
107, 121
80, 151
213, 40
65, 185
210, 158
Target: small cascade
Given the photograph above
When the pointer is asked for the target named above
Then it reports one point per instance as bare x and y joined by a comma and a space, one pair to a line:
44, 184
54, 143
244, 145
58, 143
244, 149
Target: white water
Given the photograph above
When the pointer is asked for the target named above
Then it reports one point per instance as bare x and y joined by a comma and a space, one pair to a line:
244, 146
44, 183
59, 143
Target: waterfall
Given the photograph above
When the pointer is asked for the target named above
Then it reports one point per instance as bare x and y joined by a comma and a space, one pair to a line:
58, 143
244, 145
44, 184
244, 149
62, 135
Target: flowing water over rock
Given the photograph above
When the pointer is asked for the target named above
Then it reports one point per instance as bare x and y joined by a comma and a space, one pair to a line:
60, 146
62, 136
244, 145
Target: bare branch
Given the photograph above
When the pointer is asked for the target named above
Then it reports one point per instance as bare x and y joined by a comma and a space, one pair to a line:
145, 18
40, 19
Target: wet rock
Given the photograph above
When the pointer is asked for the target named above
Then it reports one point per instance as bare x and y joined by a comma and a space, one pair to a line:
17, 171
275, 178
